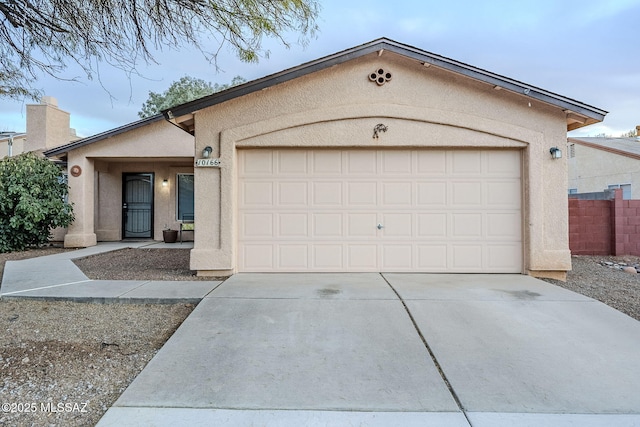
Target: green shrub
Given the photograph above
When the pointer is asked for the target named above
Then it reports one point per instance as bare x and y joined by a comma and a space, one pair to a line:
32, 201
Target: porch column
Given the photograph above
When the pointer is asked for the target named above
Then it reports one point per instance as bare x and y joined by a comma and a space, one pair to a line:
81, 232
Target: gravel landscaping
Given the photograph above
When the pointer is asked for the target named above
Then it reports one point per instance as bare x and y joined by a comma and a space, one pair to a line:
139, 264
64, 363
612, 286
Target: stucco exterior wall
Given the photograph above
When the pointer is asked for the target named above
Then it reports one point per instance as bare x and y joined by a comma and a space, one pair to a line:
159, 148
592, 170
422, 107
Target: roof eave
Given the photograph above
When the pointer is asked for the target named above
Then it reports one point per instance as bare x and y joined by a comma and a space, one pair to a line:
587, 114
104, 135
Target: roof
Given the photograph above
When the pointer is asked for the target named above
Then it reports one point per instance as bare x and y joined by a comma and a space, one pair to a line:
578, 114
101, 136
628, 147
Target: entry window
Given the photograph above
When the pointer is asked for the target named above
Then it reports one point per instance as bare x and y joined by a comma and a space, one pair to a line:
184, 196
626, 190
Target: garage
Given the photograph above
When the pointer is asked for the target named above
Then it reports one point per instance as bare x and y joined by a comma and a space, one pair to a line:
432, 166
370, 210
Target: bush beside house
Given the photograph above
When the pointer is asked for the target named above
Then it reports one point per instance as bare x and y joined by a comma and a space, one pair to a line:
32, 201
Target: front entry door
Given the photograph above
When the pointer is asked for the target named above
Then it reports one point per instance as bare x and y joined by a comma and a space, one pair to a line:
137, 206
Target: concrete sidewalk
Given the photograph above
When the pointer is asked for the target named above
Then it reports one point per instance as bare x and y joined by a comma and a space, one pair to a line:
56, 277
391, 349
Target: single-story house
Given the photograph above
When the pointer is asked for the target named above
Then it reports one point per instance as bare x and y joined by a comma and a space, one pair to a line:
383, 157
603, 163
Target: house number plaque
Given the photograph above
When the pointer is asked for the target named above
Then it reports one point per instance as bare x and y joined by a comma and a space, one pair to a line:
208, 163
76, 171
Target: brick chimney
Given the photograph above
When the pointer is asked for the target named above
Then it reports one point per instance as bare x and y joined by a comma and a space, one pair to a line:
47, 125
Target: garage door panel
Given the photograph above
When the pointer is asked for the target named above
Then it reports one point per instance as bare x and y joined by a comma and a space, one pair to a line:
292, 257
256, 162
466, 257
292, 162
319, 210
327, 194
396, 162
466, 194
504, 194
503, 163
502, 257
362, 257
467, 225
326, 162
362, 194
293, 225
361, 162
257, 193
431, 162
293, 193
361, 225
256, 257
432, 225
432, 257
397, 225
397, 194
503, 226
466, 162
432, 194
397, 258
327, 225
256, 225
328, 257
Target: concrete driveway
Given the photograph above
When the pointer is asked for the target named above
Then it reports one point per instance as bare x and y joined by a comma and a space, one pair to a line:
391, 349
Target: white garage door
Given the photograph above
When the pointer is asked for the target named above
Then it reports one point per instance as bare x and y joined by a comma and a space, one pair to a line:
379, 210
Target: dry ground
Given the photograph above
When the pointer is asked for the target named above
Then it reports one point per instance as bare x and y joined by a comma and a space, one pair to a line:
73, 353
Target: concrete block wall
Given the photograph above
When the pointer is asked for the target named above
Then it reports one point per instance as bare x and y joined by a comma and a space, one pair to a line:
604, 227
590, 227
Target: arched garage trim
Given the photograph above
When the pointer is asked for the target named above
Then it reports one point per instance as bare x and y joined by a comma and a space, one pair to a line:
352, 126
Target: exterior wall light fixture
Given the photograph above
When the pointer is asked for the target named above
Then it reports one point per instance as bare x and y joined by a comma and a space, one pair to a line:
556, 153
165, 182
207, 152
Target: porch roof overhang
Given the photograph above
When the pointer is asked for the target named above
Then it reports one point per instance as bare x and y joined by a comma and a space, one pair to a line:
63, 149
577, 114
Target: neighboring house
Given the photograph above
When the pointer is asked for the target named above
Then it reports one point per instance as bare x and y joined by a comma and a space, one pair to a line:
47, 127
602, 163
11, 143
383, 157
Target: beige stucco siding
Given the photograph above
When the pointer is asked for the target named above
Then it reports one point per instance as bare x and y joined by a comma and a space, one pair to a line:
422, 107
593, 170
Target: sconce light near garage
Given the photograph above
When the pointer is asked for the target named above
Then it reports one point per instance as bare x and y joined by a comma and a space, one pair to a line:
556, 153
165, 182
207, 152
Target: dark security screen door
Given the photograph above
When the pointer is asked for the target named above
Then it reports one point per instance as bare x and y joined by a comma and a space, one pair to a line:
137, 205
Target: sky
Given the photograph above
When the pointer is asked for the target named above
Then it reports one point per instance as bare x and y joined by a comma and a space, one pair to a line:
586, 50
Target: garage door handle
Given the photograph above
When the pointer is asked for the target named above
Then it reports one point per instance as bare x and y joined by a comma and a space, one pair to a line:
380, 226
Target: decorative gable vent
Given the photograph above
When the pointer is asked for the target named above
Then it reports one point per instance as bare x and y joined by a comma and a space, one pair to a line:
380, 76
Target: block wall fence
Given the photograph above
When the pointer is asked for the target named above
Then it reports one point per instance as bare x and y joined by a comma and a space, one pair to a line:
604, 224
